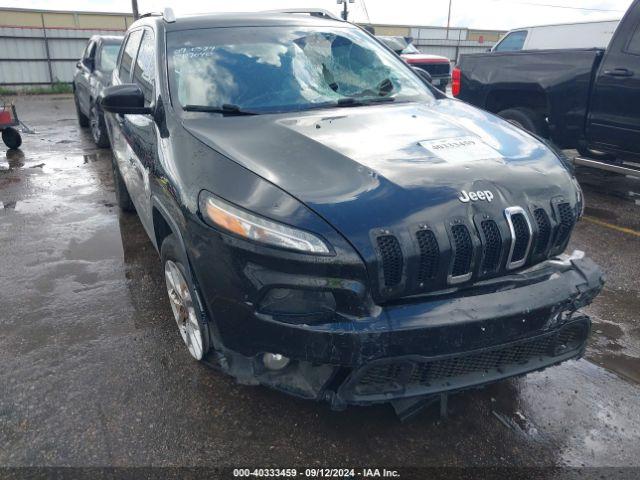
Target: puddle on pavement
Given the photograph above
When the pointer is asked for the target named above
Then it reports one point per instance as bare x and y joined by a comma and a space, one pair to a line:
615, 333
14, 161
563, 408
104, 243
624, 365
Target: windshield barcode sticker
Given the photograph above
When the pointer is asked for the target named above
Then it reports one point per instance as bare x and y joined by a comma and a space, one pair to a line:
460, 149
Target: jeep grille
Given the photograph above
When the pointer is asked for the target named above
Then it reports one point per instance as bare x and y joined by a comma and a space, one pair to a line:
433, 257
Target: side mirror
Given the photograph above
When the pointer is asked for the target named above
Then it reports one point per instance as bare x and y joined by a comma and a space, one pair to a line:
124, 99
426, 76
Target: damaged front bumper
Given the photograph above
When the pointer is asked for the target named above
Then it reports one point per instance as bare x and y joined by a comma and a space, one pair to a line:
433, 344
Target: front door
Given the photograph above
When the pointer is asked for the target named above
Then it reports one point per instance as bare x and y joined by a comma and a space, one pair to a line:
119, 134
141, 132
83, 77
614, 117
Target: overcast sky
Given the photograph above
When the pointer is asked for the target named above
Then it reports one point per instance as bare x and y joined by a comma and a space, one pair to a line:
490, 14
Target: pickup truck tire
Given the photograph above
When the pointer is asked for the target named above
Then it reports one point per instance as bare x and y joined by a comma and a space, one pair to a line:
526, 119
191, 320
122, 194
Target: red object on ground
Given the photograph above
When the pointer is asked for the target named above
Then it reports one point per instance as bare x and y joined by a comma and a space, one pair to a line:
8, 116
5, 117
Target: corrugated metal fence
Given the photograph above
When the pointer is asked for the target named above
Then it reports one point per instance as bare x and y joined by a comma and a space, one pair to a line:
31, 56
41, 56
450, 44
451, 48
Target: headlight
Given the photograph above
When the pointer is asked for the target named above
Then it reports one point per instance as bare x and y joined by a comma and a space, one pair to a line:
252, 227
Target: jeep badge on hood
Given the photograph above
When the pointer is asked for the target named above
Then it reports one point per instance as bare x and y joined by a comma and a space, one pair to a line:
475, 196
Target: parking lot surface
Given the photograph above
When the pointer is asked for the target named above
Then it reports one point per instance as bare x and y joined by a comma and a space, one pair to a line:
94, 372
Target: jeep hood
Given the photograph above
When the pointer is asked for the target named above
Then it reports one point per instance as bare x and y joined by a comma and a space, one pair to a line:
391, 166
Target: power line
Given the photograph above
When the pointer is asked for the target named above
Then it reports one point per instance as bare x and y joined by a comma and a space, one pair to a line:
549, 5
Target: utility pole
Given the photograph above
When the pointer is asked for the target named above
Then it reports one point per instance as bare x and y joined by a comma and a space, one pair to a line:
345, 8
134, 8
449, 19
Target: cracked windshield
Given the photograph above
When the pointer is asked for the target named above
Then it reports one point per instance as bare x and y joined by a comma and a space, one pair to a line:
269, 69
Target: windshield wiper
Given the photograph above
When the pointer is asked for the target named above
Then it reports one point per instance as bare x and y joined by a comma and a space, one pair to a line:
226, 108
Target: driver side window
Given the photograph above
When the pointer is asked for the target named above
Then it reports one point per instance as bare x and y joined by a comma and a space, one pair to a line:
129, 53
144, 71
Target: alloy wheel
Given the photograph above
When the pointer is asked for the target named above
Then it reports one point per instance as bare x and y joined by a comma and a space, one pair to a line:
183, 309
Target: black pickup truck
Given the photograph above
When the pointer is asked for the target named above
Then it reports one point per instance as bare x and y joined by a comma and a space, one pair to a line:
588, 99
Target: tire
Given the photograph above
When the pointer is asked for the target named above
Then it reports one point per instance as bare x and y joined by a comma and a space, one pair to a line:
83, 120
191, 320
98, 127
122, 194
526, 119
11, 138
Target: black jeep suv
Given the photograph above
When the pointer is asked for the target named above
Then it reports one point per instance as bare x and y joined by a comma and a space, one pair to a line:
331, 225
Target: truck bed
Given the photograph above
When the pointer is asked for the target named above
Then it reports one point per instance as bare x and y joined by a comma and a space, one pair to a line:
554, 82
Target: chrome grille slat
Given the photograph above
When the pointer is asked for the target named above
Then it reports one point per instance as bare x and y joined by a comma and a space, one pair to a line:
521, 236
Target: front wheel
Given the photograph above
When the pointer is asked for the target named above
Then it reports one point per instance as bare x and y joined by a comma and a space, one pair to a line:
526, 119
192, 322
11, 138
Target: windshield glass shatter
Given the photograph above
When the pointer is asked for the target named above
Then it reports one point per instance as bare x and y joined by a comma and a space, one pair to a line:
280, 69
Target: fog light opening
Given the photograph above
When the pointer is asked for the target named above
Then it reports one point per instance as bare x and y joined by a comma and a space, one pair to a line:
275, 361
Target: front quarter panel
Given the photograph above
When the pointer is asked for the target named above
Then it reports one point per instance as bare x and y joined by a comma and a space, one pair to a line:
232, 273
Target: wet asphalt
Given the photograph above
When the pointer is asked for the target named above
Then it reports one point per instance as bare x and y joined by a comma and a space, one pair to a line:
93, 371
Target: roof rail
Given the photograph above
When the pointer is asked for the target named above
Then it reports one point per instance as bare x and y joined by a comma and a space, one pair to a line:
149, 14
167, 15
314, 12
